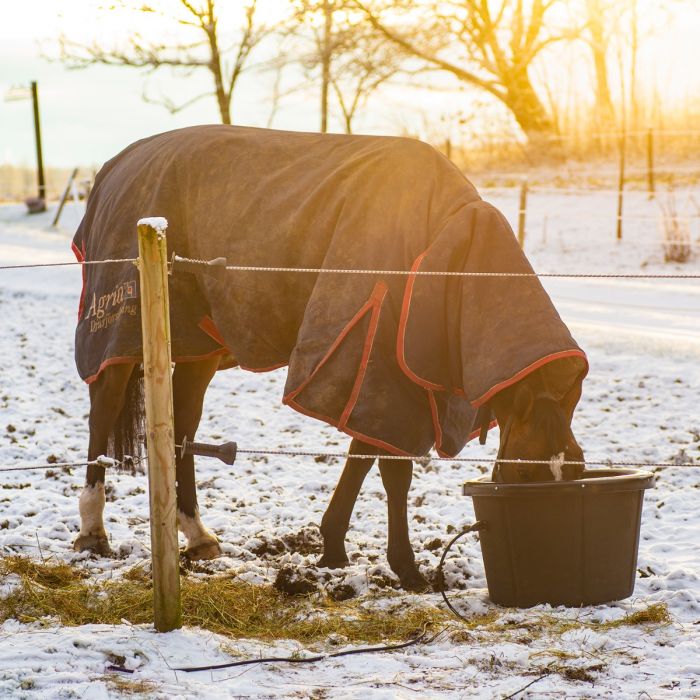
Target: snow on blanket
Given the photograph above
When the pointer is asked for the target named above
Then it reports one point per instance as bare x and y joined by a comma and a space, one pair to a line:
640, 401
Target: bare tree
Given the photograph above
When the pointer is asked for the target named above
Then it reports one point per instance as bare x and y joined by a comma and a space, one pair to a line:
353, 58
490, 45
201, 43
364, 60
599, 27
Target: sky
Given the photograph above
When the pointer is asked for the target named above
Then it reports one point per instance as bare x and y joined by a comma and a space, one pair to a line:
89, 115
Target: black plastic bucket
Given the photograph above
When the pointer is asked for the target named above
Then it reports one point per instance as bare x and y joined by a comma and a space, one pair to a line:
561, 542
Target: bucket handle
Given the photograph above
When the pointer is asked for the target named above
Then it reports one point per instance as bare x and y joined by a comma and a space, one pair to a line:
475, 527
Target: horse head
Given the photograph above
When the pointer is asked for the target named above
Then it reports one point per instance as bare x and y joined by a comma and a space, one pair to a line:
536, 429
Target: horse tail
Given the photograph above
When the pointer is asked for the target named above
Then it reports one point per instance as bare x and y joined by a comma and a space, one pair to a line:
127, 436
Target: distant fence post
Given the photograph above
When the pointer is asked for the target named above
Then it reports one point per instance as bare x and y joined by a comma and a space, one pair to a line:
522, 211
64, 196
650, 163
621, 184
160, 439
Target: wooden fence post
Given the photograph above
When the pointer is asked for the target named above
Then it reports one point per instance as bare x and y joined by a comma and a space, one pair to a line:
64, 197
650, 163
621, 184
522, 211
160, 439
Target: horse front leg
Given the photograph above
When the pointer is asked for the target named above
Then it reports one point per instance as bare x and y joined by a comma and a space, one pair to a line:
336, 519
190, 382
396, 477
107, 394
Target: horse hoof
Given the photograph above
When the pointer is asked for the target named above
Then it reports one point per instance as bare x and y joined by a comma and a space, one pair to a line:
203, 551
332, 563
414, 582
97, 544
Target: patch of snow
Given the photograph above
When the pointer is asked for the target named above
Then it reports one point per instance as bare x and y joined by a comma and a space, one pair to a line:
157, 223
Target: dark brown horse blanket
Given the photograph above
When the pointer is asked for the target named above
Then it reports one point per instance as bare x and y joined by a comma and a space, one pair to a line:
400, 361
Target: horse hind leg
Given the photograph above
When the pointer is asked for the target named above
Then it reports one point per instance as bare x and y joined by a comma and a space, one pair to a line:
190, 382
107, 399
396, 477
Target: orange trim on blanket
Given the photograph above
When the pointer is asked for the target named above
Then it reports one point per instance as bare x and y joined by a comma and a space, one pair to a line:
380, 289
137, 359
113, 361
377, 296
80, 257
431, 387
437, 428
374, 303
207, 325
391, 449
403, 322
528, 370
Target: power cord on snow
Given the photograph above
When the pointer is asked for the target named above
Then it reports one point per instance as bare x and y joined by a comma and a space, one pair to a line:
422, 637
476, 527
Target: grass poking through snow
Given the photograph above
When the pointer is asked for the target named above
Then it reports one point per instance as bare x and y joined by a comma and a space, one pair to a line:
223, 605
58, 592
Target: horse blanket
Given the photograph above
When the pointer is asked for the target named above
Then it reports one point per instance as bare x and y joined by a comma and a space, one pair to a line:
399, 361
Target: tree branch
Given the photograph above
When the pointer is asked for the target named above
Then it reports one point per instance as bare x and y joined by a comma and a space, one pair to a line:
409, 47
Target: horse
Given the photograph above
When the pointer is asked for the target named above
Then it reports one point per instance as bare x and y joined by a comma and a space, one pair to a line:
530, 382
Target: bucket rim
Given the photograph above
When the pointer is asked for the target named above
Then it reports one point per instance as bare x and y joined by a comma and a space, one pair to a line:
592, 481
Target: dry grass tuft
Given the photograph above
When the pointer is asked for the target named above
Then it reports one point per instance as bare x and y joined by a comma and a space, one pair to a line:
654, 614
675, 230
45, 574
126, 686
222, 605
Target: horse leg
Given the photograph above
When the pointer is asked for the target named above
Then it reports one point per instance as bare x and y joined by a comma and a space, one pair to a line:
107, 395
396, 477
336, 519
190, 382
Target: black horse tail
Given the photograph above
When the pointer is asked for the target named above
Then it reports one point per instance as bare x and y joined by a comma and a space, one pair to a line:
127, 438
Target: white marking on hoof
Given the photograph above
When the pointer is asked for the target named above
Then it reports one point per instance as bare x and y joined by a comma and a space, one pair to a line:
193, 529
556, 466
92, 505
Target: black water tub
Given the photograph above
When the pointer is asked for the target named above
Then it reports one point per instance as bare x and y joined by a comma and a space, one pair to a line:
561, 542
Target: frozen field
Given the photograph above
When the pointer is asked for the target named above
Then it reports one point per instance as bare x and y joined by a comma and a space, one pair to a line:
640, 402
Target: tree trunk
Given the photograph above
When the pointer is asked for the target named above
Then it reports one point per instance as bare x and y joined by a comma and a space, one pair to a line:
326, 62
634, 50
603, 100
223, 99
528, 110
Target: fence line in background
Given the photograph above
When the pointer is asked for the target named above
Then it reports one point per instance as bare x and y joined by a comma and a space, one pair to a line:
551, 189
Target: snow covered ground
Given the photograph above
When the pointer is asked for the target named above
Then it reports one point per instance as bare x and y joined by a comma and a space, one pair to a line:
640, 402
